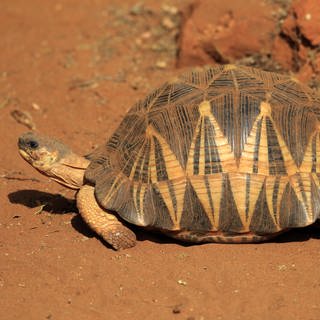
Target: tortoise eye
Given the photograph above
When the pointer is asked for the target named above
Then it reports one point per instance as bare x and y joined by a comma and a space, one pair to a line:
33, 144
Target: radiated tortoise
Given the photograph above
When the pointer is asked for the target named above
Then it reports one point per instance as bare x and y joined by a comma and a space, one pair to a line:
219, 154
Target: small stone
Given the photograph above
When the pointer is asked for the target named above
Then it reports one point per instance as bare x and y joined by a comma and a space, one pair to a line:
35, 106
161, 64
170, 9
146, 35
167, 23
182, 282
308, 16
282, 267
176, 309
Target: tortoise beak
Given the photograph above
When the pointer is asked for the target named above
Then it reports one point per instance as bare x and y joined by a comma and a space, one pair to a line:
27, 144
25, 155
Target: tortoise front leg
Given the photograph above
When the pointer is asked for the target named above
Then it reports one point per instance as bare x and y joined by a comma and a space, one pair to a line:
103, 223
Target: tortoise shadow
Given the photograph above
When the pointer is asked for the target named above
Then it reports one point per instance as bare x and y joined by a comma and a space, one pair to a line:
58, 204
299, 234
52, 203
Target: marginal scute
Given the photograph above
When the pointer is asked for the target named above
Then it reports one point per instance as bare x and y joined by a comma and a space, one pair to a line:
229, 215
194, 216
228, 150
262, 221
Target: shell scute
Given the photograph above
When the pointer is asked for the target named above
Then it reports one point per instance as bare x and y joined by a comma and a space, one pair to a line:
225, 149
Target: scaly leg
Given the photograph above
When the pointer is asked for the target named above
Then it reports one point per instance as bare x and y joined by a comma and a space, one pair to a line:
103, 223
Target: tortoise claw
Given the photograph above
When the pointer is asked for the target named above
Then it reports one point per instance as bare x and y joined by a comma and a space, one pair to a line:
119, 237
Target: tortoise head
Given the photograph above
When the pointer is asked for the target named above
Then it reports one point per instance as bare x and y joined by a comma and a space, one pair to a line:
40, 151
53, 159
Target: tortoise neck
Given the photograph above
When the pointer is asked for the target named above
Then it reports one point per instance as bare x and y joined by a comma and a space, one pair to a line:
69, 171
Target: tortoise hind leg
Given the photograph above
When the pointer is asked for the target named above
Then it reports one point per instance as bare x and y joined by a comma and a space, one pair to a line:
220, 237
103, 223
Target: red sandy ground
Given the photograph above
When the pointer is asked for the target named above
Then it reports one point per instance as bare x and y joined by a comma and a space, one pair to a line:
76, 67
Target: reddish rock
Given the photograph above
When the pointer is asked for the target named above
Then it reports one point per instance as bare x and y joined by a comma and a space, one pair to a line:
282, 54
305, 73
316, 63
289, 27
308, 19
303, 53
223, 31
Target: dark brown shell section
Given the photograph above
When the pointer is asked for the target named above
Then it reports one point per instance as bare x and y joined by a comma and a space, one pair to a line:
231, 149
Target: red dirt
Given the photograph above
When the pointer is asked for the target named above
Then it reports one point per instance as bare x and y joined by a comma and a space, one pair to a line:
75, 68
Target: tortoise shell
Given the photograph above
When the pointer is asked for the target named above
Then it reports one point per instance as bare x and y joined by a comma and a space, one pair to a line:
220, 149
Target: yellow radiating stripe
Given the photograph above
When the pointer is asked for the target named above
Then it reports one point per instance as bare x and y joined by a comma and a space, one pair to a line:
215, 186
305, 178
139, 207
256, 185
306, 165
152, 169
316, 180
226, 156
199, 185
133, 169
263, 159
113, 189
239, 191
179, 190
190, 163
173, 167
179, 187
288, 160
238, 187
165, 193
202, 155
270, 185
152, 163
247, 155
318, 153
223, 148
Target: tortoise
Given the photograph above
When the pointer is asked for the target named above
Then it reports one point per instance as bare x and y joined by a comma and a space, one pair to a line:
219, 154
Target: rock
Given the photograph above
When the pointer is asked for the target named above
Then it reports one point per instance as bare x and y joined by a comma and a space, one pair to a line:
316, 63
221, 31
308, 19
282, 54
305, 73
289, 27
303, 54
